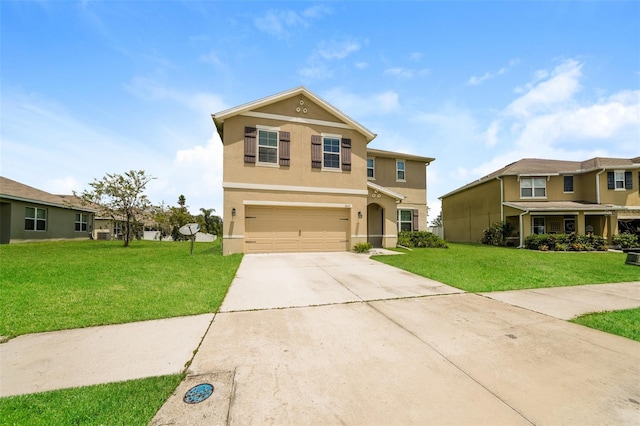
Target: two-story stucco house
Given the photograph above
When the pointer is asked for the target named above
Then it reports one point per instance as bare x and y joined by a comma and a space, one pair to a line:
298, 176
600, 195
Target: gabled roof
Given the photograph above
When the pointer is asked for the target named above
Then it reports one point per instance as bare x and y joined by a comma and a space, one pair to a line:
542, 167
220, 117
10, 189
391, 154
385, 191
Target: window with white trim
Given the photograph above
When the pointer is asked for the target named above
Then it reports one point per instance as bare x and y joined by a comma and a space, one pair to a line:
568, 183
35, 219
405, 220
400, 170
371, 162
267, 146
538, 225
619, 179
533, 187
331, 152
81, 222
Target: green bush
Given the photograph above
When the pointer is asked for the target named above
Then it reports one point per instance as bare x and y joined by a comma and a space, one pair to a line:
564, 242
362, 247
497, 233
625, 240
413, 239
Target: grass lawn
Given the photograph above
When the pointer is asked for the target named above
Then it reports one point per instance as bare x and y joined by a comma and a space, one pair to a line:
127, 403
480, 268
58, 285
624, 323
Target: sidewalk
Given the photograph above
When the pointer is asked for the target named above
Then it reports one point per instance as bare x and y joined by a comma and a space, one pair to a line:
81, 357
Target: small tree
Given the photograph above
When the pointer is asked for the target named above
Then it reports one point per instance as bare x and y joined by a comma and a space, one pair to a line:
438, 220
179, 216
121, 197
211, 223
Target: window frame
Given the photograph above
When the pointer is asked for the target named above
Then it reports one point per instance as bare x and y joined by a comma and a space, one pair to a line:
564, 184
276, 130
403, 170
400, 221
79, 222
622, 180
533, 186
36, 220
372, 168
338, 153
534, 226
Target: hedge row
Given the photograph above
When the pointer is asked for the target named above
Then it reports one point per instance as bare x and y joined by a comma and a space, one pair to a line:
565, 242
413, 239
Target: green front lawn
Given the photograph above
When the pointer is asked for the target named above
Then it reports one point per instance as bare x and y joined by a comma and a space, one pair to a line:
480, 268
624, 323
127, 403
58, 285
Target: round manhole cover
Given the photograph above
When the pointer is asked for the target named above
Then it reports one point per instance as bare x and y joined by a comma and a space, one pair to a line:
198, 393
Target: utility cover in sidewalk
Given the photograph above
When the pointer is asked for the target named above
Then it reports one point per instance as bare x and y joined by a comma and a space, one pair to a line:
198, 393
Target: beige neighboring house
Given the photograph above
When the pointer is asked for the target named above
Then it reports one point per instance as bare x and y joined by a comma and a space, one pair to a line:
298, 177
600, 195
29, 214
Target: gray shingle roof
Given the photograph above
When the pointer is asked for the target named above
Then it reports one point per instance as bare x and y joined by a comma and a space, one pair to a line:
18, 191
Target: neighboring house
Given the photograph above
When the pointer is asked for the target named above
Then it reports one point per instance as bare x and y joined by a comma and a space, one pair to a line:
298, 176
29, 214
599, 196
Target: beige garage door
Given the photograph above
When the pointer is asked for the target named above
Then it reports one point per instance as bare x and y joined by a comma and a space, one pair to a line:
295, 229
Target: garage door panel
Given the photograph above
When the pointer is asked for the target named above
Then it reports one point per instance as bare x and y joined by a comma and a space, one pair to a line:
287, 229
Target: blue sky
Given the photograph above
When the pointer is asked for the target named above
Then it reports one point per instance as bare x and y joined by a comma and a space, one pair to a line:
95, 87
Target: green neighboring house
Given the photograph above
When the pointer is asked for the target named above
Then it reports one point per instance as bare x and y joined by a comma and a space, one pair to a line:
30, 214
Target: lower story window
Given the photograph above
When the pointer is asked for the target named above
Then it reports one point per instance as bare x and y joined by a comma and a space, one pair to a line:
81, 221
538, 225
35, 219
405, 220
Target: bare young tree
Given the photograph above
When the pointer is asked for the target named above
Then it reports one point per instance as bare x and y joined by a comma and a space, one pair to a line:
121, 197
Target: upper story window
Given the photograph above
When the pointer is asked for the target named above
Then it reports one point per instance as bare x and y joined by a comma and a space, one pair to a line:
400, 170
371, 163
568, 183
619, 180
81, 221
267, 146
35, 219
331, 152
533, 187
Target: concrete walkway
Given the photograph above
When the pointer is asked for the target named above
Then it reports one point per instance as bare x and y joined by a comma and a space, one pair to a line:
339, 338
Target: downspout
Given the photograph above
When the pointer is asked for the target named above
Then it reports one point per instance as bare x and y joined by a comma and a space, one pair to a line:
522, 229
501, 199
598, 185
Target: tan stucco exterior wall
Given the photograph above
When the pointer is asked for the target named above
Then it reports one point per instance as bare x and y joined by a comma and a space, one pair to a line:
467, 214
414, 187
297, 184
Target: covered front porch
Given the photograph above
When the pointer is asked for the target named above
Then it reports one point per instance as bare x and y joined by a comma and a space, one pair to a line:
548, 217
382, 220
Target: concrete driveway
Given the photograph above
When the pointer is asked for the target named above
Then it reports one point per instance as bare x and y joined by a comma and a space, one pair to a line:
340, 339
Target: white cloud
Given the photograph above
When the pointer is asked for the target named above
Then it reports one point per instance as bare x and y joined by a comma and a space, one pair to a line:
373, 104
476, 81
560, 86
320, 63
406, 73
279, 23
492, 134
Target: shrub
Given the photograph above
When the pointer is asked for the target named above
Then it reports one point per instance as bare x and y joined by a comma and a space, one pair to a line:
497, 233
362, 247
413, 239
564, 242
625, 240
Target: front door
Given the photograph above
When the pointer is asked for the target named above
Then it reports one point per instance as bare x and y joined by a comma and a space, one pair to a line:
375, 224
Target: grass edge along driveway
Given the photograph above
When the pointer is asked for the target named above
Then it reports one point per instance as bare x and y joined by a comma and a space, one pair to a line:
479, 268
49, 286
